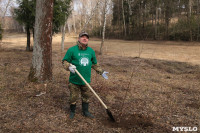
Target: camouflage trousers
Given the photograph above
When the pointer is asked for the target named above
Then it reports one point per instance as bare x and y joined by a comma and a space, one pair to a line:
75, 90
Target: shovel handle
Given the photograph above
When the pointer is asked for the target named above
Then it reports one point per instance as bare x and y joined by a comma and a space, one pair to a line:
91, 89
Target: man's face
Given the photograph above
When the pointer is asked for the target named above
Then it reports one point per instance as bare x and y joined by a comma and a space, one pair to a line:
83, 40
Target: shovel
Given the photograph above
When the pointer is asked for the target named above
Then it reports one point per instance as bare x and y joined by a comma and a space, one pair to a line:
107, 110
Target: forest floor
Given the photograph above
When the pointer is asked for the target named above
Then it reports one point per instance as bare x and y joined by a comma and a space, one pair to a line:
163, 93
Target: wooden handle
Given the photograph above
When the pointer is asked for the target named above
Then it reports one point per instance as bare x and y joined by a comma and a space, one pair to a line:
91, 89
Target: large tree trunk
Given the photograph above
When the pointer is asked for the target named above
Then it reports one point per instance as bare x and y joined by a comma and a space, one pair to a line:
41, 69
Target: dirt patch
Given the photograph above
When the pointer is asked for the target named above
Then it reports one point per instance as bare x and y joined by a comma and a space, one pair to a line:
135, 122
130, 121
193, 105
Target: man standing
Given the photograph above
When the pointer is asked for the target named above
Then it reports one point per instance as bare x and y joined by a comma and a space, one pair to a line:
82, 58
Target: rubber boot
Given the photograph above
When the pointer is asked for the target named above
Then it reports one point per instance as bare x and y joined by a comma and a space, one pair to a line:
86, 113
72, 111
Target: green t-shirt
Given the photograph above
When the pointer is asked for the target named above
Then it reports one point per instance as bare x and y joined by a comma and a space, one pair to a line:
83, 60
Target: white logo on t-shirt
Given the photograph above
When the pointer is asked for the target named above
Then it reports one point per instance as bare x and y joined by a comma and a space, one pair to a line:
84, 61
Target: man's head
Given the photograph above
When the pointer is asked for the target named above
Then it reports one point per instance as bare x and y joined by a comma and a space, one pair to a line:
83, 37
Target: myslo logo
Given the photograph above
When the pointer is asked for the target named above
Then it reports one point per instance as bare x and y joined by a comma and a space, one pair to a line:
185, 129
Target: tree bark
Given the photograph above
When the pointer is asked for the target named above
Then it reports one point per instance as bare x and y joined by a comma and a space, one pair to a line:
198, 19
104, 27
190, 14
69, 28
63, 35
190, 7
28, 38
41, 69
156, 15
129, 17
124, 18
74, 21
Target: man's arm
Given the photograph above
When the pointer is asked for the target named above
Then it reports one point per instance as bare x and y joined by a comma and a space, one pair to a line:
65, 65
67, 59
98, 68
68, 66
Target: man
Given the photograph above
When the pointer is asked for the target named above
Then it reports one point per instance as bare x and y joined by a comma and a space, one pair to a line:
82, 58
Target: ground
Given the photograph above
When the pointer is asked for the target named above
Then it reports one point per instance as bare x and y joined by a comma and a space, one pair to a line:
153, 86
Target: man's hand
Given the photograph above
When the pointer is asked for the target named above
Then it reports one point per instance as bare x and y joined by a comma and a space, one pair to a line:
104, 75
72, 68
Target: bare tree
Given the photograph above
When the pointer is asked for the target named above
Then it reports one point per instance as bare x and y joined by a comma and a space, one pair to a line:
123, 17
190, 3
156, 16
4, 12
90, 17
104, 26
7, 5
63, 35
198, 20
41, 69
86, 14
74, 22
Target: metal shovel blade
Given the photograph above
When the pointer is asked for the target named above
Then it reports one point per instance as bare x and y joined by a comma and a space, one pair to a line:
110, 115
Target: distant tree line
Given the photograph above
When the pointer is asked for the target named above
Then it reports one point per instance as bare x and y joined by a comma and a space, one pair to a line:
156, 19
140, 19
125, 19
